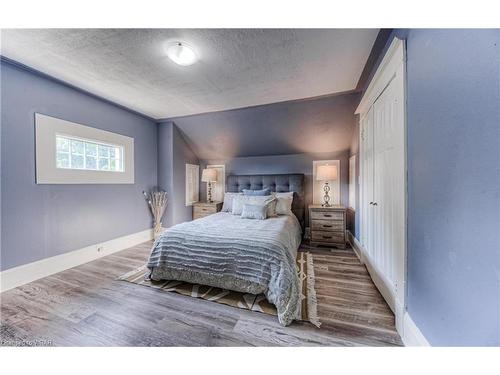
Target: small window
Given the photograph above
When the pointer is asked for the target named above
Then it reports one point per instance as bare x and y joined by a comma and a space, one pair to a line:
71, 153
74, 153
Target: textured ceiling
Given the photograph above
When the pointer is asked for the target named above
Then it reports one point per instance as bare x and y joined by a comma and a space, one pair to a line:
237, 67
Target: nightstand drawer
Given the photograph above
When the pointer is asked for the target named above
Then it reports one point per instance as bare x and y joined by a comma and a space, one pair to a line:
327, 225
323, 236
204, 210
326, 215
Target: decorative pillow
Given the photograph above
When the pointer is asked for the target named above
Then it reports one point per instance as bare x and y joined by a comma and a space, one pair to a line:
284, 203
228, 201
254, 211
240, 200
265, 191
271, 208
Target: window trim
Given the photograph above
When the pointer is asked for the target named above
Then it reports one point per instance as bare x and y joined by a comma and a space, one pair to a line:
46, 129
192, 184
352, 182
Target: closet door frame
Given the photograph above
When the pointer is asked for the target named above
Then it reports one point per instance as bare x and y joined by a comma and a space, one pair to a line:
393, 65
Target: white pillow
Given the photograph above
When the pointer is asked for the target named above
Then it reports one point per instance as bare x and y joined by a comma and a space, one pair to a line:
240, 200
284, 203
228, 201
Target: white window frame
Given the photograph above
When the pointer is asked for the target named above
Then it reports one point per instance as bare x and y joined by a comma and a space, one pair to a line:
192, 184
46, 130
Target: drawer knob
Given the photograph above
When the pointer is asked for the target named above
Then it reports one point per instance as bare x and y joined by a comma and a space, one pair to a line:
327, 215
327, 226
327, 237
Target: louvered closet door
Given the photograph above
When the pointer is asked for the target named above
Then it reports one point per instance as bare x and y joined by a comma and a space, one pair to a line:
388, 189
367, 181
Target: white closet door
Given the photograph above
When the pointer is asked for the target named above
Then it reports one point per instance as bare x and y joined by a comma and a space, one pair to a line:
389, 183
383, 178
366, 175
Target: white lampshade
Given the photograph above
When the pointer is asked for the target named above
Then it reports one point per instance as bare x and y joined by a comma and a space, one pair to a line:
209, 175
326, 173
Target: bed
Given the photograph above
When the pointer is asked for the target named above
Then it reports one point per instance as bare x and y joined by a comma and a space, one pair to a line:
245, 255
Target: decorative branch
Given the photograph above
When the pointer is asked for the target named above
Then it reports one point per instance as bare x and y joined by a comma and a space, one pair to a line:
157, 201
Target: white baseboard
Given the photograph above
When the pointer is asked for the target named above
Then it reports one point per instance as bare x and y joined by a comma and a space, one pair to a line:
412, 336
17, 276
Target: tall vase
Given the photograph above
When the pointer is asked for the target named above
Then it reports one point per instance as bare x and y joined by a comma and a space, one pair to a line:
157, 230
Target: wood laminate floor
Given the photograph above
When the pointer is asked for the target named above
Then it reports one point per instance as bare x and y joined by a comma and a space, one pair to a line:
87, 306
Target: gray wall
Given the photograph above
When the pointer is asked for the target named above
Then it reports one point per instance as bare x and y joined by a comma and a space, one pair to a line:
39, 221
453, 145
320, 125
165, 168
173, 154
352, 218
182, 154
454, 185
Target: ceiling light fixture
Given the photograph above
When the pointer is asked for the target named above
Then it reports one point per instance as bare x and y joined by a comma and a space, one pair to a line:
180, 53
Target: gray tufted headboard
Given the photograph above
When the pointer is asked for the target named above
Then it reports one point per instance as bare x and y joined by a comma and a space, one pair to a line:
275, 182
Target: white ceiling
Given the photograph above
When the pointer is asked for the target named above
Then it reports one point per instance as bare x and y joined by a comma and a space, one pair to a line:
237, 67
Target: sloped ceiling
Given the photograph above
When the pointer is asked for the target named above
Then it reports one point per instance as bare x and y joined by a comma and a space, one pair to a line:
237, 68
306, 126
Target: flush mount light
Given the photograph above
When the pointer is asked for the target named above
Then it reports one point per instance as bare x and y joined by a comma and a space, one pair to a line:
180, 53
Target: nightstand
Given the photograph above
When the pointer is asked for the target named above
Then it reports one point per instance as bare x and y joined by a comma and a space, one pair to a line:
327, 225
202, 209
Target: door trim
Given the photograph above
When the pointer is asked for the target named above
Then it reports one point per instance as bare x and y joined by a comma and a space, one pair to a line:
383, 76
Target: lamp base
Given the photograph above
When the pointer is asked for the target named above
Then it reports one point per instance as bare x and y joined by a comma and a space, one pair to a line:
209, 195
326, 197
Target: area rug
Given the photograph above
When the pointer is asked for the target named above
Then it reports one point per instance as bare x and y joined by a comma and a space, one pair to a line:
305, 269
